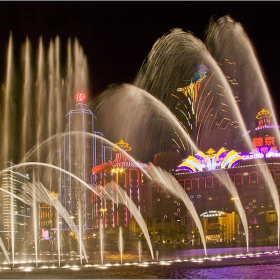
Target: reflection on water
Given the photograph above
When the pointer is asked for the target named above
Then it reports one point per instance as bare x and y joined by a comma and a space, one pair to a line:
261, 271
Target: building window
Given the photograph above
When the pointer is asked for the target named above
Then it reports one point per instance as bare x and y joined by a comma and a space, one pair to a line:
213, 231
253, 177
188, 185
277, 176
271, 217
261, 179
216, 182
202, 183
212, 220
238, 179
209, 183
245, 178
195, 184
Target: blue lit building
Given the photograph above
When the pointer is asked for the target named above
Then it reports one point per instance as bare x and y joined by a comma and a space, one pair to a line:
83, 148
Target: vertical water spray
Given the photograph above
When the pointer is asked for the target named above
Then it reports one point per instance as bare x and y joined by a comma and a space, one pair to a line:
223, 177
187, 45
5, 251
27, 98
41, 96
47, 93
35, 219
7, 115
124, 199
59, 97
51, 97
121, 243
58, 237
80, 231
101, 241
139, 251
157, 253
170, 183
241, 50
12, 223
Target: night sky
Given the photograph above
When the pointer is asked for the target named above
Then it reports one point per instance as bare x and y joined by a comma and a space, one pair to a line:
117, 36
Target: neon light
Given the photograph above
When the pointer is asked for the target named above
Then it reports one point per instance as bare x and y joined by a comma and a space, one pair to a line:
253, 156
271, 154
222, 150
186, 165
266, 127
232, 158
123, 145
80, 97
212, 213
231, 155
263, 114
212, 161
234, 161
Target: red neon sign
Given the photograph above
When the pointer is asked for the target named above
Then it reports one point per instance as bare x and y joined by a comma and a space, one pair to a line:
80, 97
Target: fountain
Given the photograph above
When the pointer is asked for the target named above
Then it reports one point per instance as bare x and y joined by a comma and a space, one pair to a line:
119, 197
217, 43
224, 179
101, 237
225, 39
175, 188
139, 251
35, 219
5, 251
121, 246
147, 99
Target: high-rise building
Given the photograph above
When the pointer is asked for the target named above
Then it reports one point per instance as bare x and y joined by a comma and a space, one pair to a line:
83, 148
15, 215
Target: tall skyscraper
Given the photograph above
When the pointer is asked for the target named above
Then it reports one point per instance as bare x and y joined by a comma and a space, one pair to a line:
15, 215
83, 148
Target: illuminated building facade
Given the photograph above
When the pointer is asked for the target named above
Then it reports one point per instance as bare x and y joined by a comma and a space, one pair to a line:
15, 215
83, 148
208, 193
126, 174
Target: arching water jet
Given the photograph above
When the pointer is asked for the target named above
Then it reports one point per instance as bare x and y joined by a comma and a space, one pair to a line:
242, 50
171, 184
227, 182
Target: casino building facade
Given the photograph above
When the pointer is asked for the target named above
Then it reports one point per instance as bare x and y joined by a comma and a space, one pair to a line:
250, 174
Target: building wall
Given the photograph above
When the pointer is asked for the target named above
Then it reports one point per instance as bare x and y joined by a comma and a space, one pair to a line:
207, 194
15, 215
80, 152
118, 214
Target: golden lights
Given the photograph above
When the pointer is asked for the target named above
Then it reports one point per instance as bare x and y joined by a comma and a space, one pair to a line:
123, 145
263, 114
